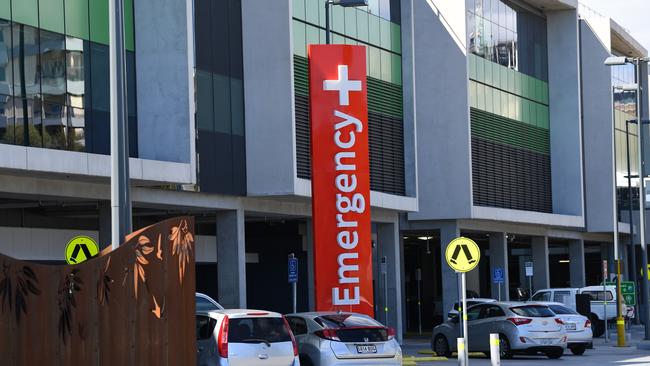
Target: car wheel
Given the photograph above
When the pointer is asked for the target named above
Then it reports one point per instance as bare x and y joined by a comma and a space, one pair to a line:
441, 346
578, 349
555, 353
504, 347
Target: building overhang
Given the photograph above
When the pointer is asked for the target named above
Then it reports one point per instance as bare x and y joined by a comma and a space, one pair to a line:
551, 5
624, 44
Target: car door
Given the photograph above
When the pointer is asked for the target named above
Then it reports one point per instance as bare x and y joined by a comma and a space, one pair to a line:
475, 327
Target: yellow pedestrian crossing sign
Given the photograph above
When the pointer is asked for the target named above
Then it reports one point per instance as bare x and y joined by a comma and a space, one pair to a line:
462, 254
80, 249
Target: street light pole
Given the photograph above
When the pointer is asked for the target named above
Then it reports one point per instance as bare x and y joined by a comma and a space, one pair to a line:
343, 3
620, 322
633, 274
120, 189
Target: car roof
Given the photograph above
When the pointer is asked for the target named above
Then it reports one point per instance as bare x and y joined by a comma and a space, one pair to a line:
314, 314
242, 313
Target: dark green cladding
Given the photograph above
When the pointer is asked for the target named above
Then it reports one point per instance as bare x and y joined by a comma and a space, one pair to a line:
509, 132
383, 97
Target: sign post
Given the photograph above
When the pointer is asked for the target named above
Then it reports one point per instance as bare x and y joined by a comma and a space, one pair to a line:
529, 273
340, 179
293, 280
605, 299
498, 278
463, 255
384, 273
418, 277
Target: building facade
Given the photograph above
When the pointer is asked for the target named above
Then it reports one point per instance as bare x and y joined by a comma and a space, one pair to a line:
487, 118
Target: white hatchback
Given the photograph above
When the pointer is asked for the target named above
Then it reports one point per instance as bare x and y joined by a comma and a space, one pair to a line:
578, 327
244, 338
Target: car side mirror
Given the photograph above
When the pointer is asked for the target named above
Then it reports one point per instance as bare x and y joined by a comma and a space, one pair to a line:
454, 318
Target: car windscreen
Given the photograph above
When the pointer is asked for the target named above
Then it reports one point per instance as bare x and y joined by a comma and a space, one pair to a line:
562, 310
255, 330
354, 328
203, 304
533, 311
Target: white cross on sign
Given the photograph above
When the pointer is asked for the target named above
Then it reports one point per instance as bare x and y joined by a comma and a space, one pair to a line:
343, 85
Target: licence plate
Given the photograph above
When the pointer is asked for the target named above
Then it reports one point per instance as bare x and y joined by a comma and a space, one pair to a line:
570, 326
370, 348
545, 341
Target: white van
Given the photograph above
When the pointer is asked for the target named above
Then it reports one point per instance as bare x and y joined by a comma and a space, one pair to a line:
599, 296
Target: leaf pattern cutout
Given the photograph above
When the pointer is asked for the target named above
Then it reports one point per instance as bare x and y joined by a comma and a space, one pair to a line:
182, 242
104, 285
159, 253
68, 286
157, 310
142, 248
16, 287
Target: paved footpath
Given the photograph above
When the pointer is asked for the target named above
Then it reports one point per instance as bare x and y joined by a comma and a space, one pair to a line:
602, 354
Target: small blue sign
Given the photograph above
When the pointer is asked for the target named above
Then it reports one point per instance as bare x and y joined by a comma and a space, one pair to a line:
498, 275
293, 270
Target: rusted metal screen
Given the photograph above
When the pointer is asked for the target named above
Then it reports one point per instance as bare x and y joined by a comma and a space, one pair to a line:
131, 306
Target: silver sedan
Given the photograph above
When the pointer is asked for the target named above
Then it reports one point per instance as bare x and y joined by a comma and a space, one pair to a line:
338, 339
523, 328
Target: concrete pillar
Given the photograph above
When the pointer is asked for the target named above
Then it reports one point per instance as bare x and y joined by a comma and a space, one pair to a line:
104, 224
231, 258
577, 263
541, 279
388, 245
499, 259
450, 291
311, 288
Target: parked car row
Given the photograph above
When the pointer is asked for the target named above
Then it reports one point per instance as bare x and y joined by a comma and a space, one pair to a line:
240, 337
523, 328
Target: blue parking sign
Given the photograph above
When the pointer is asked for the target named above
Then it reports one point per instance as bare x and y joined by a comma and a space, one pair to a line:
498, 275
293, 270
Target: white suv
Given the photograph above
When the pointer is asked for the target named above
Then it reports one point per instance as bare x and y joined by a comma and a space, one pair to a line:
244, 338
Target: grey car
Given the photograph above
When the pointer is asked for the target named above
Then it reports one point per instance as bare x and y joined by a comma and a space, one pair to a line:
338, 339
523, 328
206, 303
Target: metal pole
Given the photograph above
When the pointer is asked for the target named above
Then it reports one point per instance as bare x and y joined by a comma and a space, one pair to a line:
120, 190
418, 275
327, 21
620, 323
644, 253
294, 290
463, 285
631, 220
605, 300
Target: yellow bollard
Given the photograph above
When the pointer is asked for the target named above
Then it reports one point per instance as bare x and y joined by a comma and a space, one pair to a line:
462, 352
495, 350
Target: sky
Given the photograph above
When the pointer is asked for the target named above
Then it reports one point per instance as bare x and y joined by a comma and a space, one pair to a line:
630, 14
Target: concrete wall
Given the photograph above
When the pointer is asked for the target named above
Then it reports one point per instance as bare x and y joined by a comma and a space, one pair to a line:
442, 114
38, 244
268, 95
565, 114
598, 129
165, 91
410, 99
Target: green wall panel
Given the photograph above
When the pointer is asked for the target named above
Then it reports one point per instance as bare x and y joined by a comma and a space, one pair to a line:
51, 15
5, 9
99, 21
76, 18
129, 31
299, 9
25, 12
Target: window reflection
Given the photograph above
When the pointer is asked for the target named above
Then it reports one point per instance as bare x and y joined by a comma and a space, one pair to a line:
26, 64
75, 83
54, 126
6, 70
53, 69
6, 119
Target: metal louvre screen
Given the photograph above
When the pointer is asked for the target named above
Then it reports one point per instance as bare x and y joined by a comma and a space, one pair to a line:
385, 128
506, 174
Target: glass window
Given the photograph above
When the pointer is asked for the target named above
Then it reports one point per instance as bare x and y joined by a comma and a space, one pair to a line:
204, 327
298, 325
474, 312
533, 311
542, 296
100, 78
561, 296
55, 126
29, 129
204, 107
252, 330
6, 59
599, 295
492, 311
344, 320
75, 74
6, 119
26, 65
53, 67
76, 129
562, 310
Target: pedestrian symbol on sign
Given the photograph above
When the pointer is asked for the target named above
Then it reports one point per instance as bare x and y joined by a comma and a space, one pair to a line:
80, 249
462, 254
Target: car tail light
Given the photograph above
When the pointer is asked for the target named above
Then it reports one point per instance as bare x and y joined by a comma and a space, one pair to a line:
390, 333
257, 314
588, 324
293, 339
520, 321
329, 334
559, 321
522, 339
222, 342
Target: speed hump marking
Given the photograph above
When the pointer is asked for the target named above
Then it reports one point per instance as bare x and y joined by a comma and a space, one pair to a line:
80, 249
462, 254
